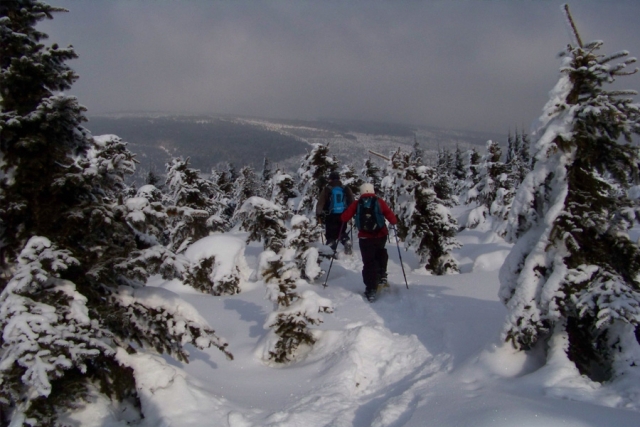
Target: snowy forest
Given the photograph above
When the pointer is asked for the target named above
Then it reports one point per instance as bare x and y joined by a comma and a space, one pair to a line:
83, 316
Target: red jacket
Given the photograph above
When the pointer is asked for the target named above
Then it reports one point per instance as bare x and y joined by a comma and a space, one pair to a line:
384, 208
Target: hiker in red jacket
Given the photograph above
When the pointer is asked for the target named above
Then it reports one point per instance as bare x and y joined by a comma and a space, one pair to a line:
370, 212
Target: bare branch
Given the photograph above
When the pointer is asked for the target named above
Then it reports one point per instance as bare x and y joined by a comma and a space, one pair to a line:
572, 25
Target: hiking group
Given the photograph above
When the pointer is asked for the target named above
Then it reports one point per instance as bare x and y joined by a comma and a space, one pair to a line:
335, 208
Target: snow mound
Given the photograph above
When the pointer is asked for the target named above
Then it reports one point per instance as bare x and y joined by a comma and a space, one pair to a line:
228, 252
369, 358
169, 396
354, 366
490, 261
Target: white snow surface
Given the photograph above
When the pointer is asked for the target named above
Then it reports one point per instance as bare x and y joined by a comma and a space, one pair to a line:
429, 355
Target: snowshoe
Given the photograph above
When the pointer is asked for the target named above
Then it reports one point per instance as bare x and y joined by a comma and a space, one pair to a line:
370, 296
382, 286
383, 282
327, 252
348, 248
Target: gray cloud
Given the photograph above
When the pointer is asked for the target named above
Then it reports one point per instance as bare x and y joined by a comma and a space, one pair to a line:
480, 65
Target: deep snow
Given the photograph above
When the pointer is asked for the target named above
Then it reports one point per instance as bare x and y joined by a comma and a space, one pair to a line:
427, 356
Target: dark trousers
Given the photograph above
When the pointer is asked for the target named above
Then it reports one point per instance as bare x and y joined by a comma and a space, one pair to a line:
374, 258
335, 229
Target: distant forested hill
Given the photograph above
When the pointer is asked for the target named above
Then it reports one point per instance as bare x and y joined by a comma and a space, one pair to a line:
206, 140
210, 140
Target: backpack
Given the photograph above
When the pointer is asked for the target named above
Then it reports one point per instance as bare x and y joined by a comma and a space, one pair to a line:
337, 200
368, 215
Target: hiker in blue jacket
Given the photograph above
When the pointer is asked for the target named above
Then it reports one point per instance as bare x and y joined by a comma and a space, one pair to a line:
333, 200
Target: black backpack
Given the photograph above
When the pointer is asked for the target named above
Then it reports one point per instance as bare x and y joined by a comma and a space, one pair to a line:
368, 215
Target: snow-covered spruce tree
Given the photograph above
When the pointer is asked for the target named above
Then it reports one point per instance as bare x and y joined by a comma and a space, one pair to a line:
350, 178
371, 173
199, 210
444, 159
525, 153
147, 214
153, 178
278, 267
471, 167
147, 217
283, 190
64, 314
513, 147
264, 220
303, 233
493, 192
432, 232
393, 185
459, 172
516, 167
226, 196
210, 274
508, 178
417, 153
245, 186
312, 176
431, 229
195, 205
225, 177
265, 177
491, 176
424, 222
443, 184
294, 312
573, 273
518, 160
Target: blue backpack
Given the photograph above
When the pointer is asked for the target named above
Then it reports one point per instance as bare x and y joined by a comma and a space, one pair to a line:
369, 217
337, 200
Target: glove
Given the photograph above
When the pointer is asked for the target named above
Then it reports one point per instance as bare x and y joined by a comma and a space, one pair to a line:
320, 218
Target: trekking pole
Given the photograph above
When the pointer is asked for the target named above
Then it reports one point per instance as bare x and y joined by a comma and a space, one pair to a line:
323, 226
332, 258
351, 229
328, 271
400, 256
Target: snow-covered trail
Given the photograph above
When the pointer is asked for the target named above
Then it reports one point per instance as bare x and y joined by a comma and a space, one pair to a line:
373, 364
429, 355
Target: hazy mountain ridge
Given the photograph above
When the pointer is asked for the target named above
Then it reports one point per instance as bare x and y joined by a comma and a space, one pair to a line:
209, 139
350, 140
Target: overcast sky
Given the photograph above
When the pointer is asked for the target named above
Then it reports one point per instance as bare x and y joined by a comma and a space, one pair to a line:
476, 65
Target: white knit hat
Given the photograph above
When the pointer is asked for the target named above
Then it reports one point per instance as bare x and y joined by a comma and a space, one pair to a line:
367, 188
